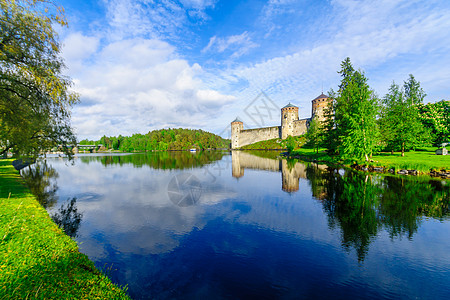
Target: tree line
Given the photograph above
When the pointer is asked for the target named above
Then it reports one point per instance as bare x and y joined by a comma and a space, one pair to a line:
358, 123
162, 139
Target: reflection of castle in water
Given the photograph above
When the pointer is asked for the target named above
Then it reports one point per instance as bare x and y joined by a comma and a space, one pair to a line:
290, 172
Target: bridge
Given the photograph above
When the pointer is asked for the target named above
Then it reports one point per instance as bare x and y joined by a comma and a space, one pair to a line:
90, 148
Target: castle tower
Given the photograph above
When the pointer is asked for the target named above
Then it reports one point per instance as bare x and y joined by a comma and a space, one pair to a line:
319, 104
236, 126
289, 114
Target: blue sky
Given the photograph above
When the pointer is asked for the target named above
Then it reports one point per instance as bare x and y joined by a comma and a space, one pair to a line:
140, 65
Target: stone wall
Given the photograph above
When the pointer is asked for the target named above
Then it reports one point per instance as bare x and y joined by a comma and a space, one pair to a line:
250, 136
242, 160
300, 127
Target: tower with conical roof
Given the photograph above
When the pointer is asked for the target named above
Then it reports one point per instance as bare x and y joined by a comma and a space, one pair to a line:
236, 126
319, 104
289, 114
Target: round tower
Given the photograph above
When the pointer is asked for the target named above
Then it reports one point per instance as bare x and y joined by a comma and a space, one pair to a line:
289, 114
319, 104
236, 126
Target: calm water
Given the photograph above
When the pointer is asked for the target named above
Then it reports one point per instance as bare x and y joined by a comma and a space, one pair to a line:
248, 225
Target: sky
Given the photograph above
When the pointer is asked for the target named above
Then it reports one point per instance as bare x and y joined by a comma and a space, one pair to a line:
141, 65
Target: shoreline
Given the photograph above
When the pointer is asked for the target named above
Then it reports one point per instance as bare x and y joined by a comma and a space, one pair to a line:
38, 260
373, 166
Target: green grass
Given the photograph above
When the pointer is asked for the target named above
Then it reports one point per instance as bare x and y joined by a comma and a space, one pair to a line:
413, 160
37, 260
421, 160
273, 144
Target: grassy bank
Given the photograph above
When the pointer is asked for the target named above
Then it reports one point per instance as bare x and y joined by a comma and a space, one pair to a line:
37, 260
422, 160
273, 144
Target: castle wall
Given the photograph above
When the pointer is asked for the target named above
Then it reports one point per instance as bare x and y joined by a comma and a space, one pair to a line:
243, 160
250, 136
300, 127
290, 125
290, 174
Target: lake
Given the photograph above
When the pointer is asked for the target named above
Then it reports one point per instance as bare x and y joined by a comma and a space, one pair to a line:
221, 225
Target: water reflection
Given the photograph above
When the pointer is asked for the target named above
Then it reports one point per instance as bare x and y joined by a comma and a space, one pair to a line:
359, 204
40, 178
68, 218
159, 160
285, 229
291, 170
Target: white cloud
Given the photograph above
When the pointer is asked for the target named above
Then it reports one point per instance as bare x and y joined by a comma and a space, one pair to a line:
78, 47
137, 85
237, 44
132, 79
373, 34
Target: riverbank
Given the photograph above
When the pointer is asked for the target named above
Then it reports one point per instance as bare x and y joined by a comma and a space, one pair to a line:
423, 161
37, 260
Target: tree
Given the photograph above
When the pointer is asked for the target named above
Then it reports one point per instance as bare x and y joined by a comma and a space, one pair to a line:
400, 122
314, 134
35, 99
436, 117
329, 131
291, 143
355, 112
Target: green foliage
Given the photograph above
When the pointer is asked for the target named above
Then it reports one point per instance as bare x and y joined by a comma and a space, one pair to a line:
163, 139
160, 160
361, 204
35, 99
436, 117
355, 131
275, 144
315, 134
37, 260
291, 144
400, 123
329, 137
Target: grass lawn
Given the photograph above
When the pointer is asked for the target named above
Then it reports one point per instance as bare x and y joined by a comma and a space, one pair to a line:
273, 144
37, 260
413, 160
422, 160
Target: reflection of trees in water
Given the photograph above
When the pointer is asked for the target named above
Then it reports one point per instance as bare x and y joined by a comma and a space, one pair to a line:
160, 160
40, 179
68, 218
362, 204
405, 200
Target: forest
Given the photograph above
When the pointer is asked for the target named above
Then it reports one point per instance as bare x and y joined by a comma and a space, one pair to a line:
162, 139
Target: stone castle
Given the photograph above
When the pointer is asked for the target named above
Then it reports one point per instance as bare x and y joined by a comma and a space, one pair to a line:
290, 125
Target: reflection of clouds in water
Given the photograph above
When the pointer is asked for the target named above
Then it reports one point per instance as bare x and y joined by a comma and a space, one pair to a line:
132, 204
128, 217
131, 208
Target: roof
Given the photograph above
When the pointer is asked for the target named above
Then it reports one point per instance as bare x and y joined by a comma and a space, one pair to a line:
237, 120
321, 96
290, 105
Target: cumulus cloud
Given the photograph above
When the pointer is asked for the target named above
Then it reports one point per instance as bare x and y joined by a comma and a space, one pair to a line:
136, 85
77, 48
137, 74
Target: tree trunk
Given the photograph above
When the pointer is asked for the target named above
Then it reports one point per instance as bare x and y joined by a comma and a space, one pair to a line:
403, 149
